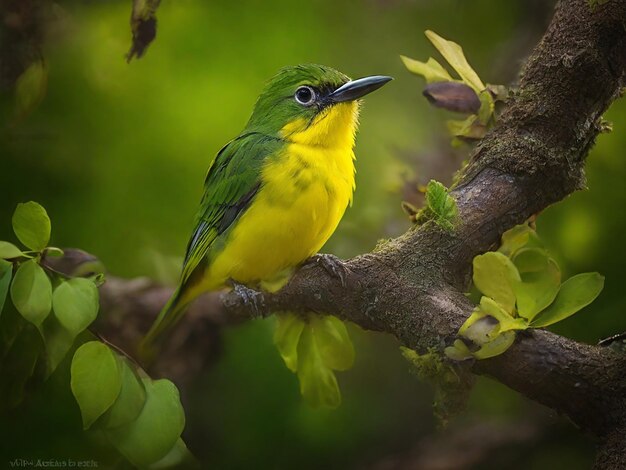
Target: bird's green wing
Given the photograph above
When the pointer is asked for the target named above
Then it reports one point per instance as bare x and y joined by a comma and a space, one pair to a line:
230, 186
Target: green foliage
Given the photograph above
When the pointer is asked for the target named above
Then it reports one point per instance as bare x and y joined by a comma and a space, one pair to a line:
75, 304
31, 292
522, 289
499, 344
96, 380
31, 225
318, 384
58, 342
9, 251
130, 400
575, 293
157, 428
453, 53
334, 343
431, 70
74, 300
141, 418
494, 276
517, 237
314, 348
442, 207
540, 279
289, 327
6, 274
19, 359
53, 252
477, 124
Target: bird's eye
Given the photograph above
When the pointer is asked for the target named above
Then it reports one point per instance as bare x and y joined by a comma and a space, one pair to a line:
305, 95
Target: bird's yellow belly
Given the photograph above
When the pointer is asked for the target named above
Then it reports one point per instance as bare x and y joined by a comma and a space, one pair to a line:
292, 216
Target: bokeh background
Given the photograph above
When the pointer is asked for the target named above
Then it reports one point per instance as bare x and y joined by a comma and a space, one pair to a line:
117, 154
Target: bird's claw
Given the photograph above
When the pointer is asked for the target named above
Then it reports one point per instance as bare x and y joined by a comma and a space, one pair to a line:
332, 264
250, 298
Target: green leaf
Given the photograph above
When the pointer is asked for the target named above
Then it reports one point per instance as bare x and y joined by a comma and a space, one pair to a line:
31, 292
495, 275
441, 204
130, 401
156, 430
318, 384
431, 70
75, 304
540, 281
58, 342
453, 53
96, 380
18, 366
6, 273
333, 342
9, 251
458, 351
480, 328
517, 237
467, 129
460, 128
497, 346
577, 292
31, 224
178, 457
30, 87
488, 320
54, 252
289, 327
487, 107
490, 307
498, 92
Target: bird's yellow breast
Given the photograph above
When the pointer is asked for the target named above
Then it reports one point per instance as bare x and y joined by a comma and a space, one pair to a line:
305, 190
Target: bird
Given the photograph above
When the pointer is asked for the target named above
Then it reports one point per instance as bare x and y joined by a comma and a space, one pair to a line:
274, 194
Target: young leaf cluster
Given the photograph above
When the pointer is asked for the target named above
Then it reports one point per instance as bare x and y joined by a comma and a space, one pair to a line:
441, 207
522, 288
466, 94
141, 417
58, 306
314, 348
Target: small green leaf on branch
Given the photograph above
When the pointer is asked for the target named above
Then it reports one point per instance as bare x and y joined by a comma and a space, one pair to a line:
442, 206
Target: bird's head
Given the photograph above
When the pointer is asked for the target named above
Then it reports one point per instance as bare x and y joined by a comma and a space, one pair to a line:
312, 105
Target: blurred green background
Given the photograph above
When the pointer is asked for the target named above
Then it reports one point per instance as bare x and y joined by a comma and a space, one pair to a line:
117, 154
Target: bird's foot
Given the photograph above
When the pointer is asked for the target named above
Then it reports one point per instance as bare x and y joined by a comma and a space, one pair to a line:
250, 298
333, 265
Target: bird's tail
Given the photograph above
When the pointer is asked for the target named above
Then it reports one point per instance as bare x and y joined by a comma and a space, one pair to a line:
169, 315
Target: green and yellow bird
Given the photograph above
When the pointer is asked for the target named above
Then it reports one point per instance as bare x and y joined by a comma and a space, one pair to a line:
275, 194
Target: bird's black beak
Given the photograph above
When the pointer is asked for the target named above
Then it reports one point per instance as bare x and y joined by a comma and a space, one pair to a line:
356, 89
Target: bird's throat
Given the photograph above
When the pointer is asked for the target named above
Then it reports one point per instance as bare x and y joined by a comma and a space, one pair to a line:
333, 127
